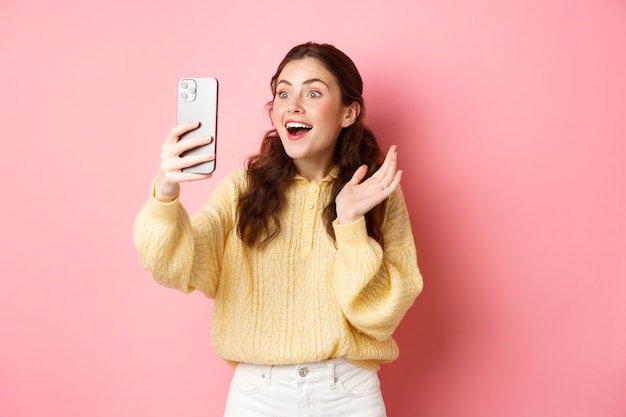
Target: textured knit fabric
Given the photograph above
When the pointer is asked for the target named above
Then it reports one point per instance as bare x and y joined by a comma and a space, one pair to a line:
302, 298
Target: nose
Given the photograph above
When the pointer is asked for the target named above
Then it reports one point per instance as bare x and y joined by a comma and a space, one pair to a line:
295, 106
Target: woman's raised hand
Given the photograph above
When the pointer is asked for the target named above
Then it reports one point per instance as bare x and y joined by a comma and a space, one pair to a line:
170, 175
357, 198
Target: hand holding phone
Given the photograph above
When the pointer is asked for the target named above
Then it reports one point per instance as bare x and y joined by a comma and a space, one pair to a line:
197, 102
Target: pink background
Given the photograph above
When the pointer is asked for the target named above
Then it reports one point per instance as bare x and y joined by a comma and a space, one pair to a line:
510, 118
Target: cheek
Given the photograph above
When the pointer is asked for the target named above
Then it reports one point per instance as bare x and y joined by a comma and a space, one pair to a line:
328, 111
276, 112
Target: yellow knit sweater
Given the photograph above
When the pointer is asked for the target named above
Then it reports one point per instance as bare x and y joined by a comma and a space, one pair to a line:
300, 299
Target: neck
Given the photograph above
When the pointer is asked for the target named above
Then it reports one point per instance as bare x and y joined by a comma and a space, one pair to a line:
313, 171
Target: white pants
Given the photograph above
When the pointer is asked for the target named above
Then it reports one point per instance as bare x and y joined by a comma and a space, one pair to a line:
334, 388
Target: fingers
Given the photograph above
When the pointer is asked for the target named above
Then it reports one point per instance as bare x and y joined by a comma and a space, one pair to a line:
394, 183
178, 163
174, 147
177, 131
358, 196
174, 159
391, 162
358, 175
386, 174
173, 150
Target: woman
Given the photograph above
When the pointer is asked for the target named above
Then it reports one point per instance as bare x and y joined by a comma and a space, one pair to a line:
307, 252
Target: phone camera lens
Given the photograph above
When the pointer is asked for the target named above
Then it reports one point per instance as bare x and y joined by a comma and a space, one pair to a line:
183, 96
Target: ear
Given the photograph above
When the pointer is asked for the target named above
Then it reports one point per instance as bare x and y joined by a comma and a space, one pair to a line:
270, 112
351, 114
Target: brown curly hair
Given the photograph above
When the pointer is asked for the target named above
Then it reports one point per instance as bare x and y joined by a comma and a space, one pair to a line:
271, 169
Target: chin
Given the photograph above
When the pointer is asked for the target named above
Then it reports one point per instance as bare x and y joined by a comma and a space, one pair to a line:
291, 147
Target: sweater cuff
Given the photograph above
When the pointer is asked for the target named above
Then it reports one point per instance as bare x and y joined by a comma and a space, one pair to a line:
153, 194
164, 209
354, 233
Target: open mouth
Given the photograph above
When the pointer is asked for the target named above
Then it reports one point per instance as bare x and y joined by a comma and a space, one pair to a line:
297, 128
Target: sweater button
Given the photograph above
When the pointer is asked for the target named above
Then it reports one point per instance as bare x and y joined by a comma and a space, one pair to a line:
310, 205
304, 371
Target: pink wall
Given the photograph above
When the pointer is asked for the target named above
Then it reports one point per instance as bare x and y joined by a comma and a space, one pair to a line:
511, 122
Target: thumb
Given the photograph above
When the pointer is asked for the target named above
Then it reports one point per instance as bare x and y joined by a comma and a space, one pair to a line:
358, 175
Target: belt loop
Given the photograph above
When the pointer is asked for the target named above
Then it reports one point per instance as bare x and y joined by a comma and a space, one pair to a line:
331, 374
267, 375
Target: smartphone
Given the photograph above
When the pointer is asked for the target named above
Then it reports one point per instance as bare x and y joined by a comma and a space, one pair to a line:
197, 102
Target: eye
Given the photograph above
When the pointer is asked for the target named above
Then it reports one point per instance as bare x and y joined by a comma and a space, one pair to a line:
282, 94
315, 94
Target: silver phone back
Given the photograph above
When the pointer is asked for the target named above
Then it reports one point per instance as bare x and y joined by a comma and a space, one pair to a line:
197, 101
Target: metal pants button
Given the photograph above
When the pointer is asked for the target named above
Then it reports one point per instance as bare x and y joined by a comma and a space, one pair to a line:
303, 371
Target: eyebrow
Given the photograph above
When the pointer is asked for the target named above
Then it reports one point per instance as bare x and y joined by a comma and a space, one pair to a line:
309, 81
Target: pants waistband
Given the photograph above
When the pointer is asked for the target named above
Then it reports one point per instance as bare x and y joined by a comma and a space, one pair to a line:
314, 371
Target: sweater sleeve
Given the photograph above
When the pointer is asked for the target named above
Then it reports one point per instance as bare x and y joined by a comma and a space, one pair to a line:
184, 252
374, 285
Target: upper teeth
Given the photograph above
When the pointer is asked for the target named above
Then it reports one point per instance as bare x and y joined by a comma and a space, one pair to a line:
296, 125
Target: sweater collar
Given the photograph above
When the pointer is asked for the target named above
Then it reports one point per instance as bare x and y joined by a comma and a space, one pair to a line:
332, 175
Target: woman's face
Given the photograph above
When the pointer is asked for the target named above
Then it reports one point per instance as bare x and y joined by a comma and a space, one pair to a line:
308, 115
